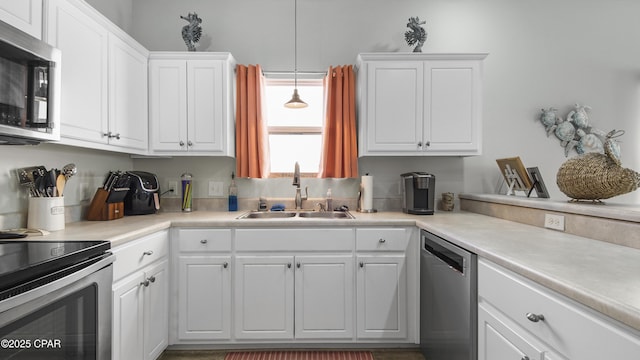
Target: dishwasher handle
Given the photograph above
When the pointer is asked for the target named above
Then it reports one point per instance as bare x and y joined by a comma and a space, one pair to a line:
448, 253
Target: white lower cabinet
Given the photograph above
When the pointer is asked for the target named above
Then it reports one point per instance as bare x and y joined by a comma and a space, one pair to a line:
203, 285
294, 285
519, 319
140, 298
287, 297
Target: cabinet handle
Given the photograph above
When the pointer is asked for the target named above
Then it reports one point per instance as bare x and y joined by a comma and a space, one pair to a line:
117, 136
298, 265
525, 358
148, 252
361, 264
382, 240
428, 143
203, 241
535, 317
420, 144
225, 264
289, 266
152, 279
107, 134
145, 283
189, 143
181, 143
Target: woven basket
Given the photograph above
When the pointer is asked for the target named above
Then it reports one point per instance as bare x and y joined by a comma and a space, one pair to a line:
595, 176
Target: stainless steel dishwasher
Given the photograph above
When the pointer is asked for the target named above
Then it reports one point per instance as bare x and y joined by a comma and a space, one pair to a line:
448, 300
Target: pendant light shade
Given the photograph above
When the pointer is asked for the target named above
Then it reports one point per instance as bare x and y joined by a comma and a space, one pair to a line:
295, 102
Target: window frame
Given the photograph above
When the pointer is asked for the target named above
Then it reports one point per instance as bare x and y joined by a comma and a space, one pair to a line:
287, 79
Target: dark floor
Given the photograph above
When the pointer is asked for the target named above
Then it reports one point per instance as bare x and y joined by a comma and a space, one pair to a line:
378, 354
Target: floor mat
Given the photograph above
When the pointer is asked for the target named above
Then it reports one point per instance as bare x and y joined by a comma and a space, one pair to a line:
299, 355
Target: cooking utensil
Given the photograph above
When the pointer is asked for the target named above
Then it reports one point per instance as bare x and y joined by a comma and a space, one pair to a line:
61, 181
69, 170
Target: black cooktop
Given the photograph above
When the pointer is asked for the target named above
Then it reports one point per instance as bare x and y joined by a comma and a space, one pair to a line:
27, 264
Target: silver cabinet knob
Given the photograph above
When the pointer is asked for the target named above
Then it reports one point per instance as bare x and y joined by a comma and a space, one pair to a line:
298, 265
189, 143
107, 134
535, 317
203, 241
382, 240
225, 264
428, 143
148, 252
181, 143
525, 358
117, 136
361, 264
145, 283
152, 279
420, 144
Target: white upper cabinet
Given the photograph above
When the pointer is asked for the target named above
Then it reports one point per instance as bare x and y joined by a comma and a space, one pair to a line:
420, 104
104, 80
191, 103
25, 15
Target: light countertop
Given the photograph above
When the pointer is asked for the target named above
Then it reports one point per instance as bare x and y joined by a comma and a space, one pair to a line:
600, 275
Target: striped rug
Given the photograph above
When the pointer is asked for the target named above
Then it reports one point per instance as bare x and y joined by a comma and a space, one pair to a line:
299, 355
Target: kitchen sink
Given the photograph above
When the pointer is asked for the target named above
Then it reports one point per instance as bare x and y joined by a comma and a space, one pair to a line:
268, 215
292, 214
325, 214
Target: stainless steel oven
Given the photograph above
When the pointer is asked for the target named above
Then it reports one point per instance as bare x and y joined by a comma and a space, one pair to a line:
55, 300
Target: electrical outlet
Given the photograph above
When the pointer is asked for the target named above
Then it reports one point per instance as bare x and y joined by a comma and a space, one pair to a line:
215, 188
555, 222
173, 189
85, 193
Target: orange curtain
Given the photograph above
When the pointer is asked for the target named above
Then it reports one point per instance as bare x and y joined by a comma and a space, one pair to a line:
339, 145
252, 138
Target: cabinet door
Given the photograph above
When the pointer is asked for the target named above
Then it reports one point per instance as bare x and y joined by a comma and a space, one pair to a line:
452, 106
168, 105
128, 120
25, 15
84, 46
205, 106
394, 97
128, 317
381, 296
156, 310
324, 297
496, 340
264, 297
204, 297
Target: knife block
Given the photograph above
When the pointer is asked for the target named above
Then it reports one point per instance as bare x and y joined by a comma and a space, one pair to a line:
101, 210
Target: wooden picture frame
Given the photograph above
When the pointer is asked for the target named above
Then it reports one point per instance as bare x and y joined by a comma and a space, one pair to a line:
514, 174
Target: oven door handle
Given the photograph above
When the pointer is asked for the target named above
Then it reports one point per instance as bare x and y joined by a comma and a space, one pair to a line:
39, 291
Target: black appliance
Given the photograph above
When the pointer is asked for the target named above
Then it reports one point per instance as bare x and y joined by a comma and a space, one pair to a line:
418, 192
55, 299
29, 88
144, 194
448, 300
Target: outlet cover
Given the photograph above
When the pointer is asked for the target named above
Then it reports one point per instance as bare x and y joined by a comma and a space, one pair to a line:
173, 185
215, 188
555, 222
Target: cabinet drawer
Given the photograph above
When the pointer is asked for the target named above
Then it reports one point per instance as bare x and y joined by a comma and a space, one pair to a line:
294, 239
204, 240
382, 239
572, 329
139, 253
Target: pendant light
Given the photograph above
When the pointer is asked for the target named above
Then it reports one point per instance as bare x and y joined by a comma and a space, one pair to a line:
295, 102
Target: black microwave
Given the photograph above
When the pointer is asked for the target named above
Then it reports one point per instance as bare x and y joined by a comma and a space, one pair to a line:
29, 88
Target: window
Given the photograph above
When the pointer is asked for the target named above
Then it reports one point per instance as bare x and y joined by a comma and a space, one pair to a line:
294, 134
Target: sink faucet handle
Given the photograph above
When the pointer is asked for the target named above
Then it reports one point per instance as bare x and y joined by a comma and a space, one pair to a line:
262, 204
321, 205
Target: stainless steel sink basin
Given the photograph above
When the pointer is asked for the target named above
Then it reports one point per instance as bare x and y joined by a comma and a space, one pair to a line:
267, 215
325, 214
292, 214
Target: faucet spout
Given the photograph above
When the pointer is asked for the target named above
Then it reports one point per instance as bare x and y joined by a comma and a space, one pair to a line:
296, 175
296, 182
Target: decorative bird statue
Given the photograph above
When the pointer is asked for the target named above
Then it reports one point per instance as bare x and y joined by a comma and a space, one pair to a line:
191, 33
417, 35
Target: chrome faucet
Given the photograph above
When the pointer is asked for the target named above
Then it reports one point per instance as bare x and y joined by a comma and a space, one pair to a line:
296, 183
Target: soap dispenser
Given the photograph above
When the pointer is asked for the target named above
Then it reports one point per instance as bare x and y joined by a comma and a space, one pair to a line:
329, 204
233, 194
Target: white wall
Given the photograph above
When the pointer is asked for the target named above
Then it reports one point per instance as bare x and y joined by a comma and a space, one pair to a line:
542, 53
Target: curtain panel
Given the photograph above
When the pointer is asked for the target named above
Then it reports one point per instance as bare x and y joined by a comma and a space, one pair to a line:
252, 137
339, 157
